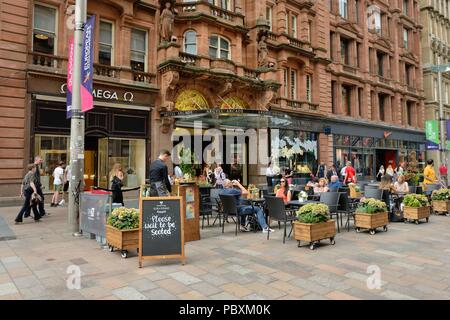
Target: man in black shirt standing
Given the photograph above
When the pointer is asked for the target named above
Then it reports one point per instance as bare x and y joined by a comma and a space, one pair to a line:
159, 176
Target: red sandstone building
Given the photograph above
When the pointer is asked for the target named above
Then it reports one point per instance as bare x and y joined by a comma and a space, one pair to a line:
339, 80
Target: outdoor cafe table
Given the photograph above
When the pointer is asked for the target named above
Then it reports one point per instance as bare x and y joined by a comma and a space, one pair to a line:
297, 203
256, 201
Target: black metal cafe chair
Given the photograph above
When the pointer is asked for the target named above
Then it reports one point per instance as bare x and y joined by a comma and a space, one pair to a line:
373, 193
277, 211
229, 209
331, 199
346, 207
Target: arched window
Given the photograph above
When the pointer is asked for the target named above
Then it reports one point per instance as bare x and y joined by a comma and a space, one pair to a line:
219, 48
190, 42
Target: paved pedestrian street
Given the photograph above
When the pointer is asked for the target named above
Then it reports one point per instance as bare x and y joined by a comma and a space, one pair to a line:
413, 262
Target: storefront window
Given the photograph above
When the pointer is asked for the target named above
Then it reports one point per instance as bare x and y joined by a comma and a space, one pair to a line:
52, 150
342, 157
129, 153
296, 150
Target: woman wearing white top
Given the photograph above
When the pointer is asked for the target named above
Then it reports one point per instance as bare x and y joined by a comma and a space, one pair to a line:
58, 177
401, 186
380, 173
269, 175
220, 176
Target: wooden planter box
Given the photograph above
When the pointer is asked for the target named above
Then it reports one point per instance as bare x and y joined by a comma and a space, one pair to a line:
122, 239
416, 214
441, 206
371, 221
312, 232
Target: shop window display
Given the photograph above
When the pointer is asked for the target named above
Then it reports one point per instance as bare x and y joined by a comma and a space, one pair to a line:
52, 150
296, 150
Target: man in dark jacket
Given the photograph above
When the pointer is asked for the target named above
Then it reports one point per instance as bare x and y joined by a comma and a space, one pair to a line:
37, 162
159, 176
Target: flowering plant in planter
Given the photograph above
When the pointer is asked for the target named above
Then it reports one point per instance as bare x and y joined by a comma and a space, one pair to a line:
371, 206
313, 213
124, 218
415, 200
441, 195
302, 196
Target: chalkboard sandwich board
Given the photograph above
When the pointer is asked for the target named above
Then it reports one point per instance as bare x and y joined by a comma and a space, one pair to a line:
161, 234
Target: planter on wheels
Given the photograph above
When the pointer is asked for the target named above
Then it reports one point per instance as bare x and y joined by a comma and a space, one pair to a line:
371, 221
441, 206
123, 240
314, 232
416, 214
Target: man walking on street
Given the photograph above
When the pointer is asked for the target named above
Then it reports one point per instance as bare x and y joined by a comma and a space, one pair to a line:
37, 162
159, 176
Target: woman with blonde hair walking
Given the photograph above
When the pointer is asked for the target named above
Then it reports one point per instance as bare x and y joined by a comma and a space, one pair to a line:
116, 177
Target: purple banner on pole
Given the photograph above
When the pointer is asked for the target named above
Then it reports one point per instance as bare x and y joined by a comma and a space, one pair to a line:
448, 129
69, 78
87, 66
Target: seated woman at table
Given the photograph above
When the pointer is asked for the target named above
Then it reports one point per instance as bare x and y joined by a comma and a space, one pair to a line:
401, 186
284, 191
322, 186
386, 183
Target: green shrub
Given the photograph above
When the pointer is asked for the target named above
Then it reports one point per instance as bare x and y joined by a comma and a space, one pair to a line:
371, 206
313, 213
415, 200
441, 195
124, 218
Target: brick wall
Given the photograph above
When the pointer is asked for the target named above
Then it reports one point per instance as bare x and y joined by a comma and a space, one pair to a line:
14, 32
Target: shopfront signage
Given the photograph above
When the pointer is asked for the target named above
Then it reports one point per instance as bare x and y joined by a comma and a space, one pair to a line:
106, 94
161, 229
387, 134
214, 111
432, 134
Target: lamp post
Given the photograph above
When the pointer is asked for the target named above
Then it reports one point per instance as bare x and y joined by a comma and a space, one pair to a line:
77, 123
439, 69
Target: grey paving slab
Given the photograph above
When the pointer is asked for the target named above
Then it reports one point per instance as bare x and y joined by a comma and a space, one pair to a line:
128, 293
184, 278
413, 260
7, 289
159, 294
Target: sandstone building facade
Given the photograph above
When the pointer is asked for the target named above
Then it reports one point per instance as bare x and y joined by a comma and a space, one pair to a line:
339, 80
435, 41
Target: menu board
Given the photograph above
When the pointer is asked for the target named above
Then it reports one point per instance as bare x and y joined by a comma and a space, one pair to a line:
161, 229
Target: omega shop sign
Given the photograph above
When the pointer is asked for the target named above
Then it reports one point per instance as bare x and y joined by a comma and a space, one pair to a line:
106, 94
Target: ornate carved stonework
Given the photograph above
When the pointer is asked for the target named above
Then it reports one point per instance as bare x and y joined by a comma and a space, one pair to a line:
264, 98
166, 125
168, 89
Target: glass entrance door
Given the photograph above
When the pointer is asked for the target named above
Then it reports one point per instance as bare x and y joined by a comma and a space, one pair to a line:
129, 153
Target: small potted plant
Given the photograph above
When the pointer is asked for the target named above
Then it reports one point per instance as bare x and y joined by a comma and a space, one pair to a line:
314, 224
371, 214
355, 190
441, 201
416, 207
302, 196
122, 230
